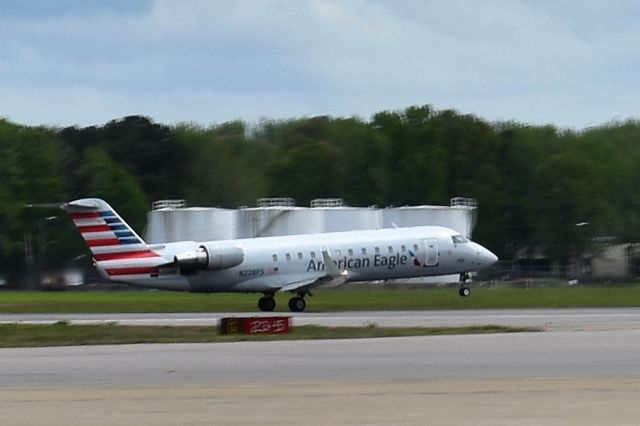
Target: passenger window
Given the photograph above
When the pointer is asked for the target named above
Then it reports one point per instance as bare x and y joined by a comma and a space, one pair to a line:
350, 252
364, 251
275, 257
415, 247
377, 249
313, 254
390, 249
288, 256
338, 253
300, 255
403, 248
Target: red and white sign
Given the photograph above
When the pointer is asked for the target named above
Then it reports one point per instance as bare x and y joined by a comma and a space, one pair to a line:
255, 325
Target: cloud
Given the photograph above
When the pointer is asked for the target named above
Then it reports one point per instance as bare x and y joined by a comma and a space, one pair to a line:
571, 63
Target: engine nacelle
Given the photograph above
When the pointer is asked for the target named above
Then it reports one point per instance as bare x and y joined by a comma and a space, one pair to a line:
192, 259
211, 255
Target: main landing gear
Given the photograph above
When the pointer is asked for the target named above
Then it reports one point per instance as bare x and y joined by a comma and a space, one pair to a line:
464, 290
296, 304
267, 303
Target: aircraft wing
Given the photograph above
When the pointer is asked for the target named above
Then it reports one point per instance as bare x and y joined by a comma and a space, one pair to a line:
325, 281
333, 277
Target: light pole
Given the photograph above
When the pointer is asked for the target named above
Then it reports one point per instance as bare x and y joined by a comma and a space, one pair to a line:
41, 263
581, 260
43, 236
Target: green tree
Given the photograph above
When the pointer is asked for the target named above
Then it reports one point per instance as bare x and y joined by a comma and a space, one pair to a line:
29, 174
106, 179
307, 171
222, 167
146, 149
416, 161
571, 197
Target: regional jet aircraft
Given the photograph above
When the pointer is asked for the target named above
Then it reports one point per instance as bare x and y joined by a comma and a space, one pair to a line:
293, 263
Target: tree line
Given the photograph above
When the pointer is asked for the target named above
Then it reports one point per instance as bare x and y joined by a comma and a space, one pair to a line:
539, 188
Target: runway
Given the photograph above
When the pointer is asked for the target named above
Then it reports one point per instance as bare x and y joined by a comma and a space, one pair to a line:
544, 319
570, 374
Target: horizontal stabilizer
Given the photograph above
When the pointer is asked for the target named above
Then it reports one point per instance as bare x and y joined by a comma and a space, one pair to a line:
87, 203
46, 205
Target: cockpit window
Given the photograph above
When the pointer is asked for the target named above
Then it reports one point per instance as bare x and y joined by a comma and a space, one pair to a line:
459, 239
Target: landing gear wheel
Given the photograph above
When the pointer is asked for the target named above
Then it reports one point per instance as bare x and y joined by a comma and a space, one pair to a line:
266, 303
464, 291
297, 304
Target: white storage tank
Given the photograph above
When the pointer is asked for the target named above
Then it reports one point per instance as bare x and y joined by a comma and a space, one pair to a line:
171, 221
186, 224
272, 221
457, 218
350, 218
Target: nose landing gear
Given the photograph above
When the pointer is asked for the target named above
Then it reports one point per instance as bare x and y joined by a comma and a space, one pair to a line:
464, 290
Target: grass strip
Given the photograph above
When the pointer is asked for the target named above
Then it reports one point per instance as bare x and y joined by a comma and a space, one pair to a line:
65, 334
324, 300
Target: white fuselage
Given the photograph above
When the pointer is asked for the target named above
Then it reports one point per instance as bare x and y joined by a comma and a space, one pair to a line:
270, 263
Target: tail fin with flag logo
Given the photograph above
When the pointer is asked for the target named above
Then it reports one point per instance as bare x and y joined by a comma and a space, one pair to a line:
116, 248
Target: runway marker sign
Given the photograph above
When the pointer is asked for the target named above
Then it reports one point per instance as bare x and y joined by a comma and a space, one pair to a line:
255, 325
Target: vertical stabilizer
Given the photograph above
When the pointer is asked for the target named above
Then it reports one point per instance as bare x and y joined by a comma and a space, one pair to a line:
115, 246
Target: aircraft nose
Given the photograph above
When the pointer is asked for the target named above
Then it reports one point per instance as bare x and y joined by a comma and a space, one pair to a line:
488, 257
485, 257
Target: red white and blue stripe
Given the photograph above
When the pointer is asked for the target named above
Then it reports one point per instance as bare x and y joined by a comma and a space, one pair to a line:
116, 248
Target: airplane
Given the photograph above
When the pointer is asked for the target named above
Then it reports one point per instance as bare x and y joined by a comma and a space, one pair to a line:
292, 263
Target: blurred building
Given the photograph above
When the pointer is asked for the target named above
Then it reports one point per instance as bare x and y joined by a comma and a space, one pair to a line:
610, 261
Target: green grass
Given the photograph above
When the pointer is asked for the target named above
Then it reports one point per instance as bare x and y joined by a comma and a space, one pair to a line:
323, 300
64, 334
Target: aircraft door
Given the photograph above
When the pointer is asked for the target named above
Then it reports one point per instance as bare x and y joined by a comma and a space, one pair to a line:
431, 250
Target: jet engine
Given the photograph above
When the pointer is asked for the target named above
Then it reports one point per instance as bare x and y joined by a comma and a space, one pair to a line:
212, 255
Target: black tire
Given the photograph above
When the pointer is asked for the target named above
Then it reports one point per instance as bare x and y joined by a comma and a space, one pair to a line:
266, 304
297, 304
464, 291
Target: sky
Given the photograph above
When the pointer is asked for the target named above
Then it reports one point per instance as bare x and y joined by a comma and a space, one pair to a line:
570, 63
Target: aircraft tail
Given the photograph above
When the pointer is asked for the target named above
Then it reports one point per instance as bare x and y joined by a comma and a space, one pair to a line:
116, 248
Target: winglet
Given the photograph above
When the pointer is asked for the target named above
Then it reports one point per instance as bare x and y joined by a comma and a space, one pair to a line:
331, 267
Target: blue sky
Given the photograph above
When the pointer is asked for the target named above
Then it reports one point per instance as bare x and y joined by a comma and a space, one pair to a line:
570, 63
